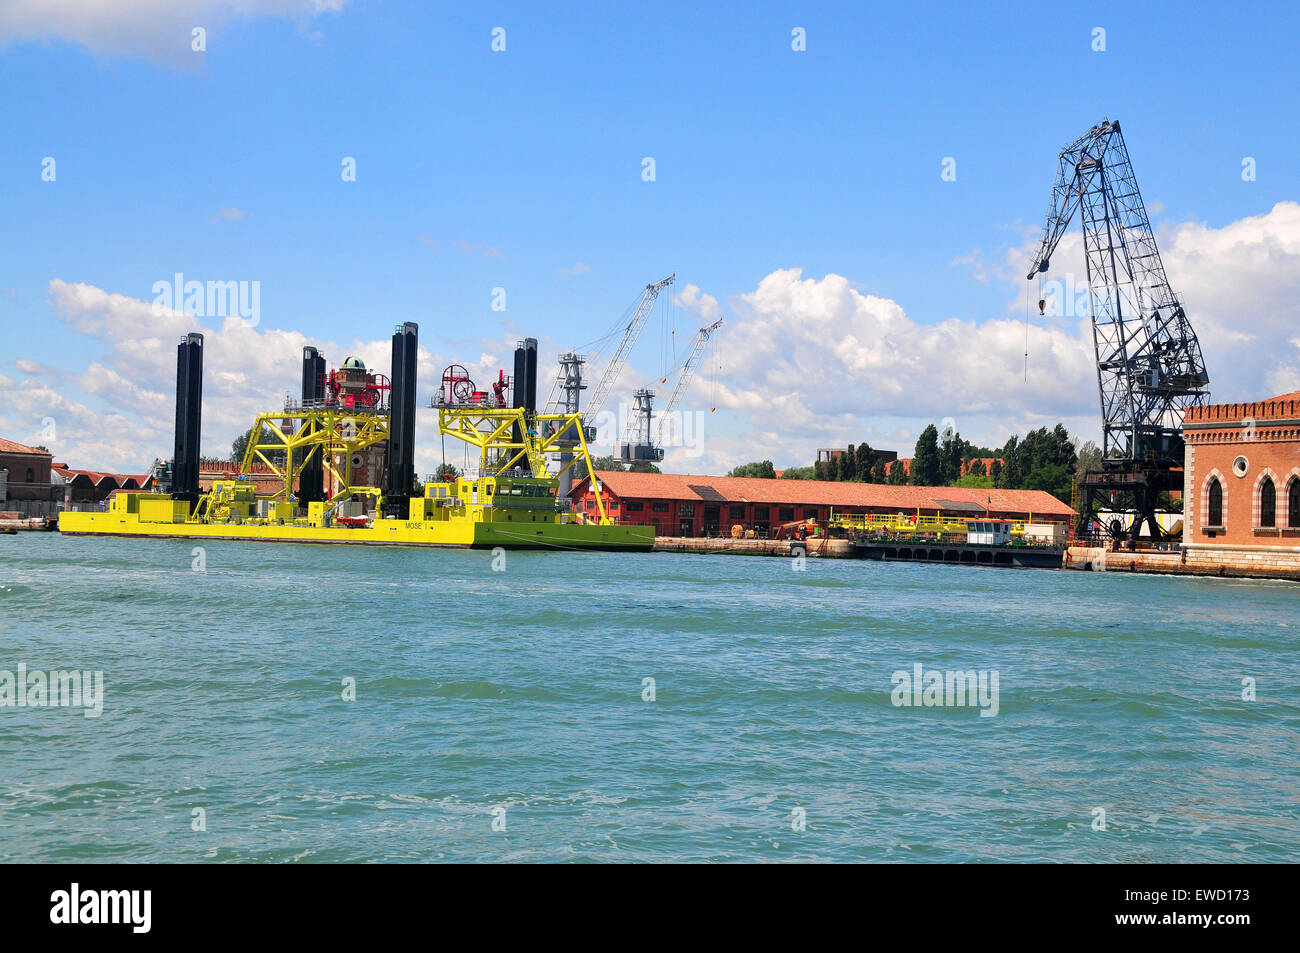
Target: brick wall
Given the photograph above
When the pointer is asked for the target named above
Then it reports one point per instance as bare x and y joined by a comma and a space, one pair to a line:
1242, 447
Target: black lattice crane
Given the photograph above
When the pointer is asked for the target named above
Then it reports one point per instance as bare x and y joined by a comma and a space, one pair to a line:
1149, 364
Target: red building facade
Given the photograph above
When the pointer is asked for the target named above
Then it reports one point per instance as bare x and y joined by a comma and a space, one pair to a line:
1241, 483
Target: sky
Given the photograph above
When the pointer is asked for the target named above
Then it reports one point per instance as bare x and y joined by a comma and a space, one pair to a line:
797, 193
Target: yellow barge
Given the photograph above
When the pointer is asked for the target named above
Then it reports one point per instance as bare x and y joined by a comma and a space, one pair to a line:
314, 448
445, 516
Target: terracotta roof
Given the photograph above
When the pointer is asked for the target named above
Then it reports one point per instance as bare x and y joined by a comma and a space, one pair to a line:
98, 476
680, 486
1294, 395
11, 446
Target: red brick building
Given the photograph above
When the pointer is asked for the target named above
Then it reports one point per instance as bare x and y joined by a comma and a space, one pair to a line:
261, 476
24, 472
1242, 478
686, 505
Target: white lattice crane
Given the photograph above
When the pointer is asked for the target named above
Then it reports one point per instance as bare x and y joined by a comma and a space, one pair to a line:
688, 372
630, 335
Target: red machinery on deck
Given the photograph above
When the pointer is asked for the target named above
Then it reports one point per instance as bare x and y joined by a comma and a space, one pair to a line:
458, 389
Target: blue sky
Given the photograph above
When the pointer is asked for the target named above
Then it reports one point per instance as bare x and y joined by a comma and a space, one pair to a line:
479, 169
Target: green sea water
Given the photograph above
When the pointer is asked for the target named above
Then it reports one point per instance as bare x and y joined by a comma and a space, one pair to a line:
501, 713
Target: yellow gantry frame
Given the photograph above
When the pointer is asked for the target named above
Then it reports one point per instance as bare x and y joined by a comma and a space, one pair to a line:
492, 429
324, 432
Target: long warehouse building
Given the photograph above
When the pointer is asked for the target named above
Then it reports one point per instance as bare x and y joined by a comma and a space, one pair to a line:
687, 505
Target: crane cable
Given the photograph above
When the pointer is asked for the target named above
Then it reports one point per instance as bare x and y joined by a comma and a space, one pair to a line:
1026, 339
713, 376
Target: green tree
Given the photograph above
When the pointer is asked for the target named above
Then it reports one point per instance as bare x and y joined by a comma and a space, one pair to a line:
1011, 473
865, 461
800, 473
598, 463
1055, 478
976, 468
1088, 456
897, 473
927, 466
952, 454
239, 446
979, 481
878, 474
445, 473
761, 468
1043, 460
848, 467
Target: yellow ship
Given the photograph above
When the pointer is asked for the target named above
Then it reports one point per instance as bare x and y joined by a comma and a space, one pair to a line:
314, 445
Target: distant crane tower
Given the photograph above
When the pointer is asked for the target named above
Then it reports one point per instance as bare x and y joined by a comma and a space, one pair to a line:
569, 387
1149, 364
636, 447
684, 379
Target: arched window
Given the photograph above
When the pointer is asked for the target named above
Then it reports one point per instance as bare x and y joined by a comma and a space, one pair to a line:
1293, 503
1267, 503
31, 475
1216, 503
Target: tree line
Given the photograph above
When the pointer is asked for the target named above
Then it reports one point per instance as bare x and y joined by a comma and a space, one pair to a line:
1043, 459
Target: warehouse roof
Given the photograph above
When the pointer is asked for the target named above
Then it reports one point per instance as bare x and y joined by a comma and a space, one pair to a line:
97, 477
686, 487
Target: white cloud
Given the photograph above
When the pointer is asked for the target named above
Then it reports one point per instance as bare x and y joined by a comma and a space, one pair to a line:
577, 269
27, 366
151, 29
974, 263
230, 214
698, 303
472, 249
817, 363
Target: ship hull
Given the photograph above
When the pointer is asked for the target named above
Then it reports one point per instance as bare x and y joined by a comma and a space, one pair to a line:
446, 533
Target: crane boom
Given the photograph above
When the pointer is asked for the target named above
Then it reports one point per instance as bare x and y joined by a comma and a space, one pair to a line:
688, 371
1149, 363
632, 332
